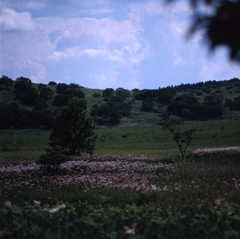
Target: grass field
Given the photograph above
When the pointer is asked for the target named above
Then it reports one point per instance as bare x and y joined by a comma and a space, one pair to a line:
149, 140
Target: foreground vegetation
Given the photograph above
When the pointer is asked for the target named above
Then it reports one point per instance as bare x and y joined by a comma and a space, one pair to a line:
123, 197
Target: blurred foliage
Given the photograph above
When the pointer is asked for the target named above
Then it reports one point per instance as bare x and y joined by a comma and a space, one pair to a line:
218, 20
86, 221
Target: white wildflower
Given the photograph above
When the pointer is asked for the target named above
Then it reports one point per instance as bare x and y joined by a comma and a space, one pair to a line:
130, 230
218, 201
37, 203
8, 204
56, 209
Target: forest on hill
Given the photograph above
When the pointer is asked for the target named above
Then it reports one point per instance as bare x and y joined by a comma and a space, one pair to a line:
24, 104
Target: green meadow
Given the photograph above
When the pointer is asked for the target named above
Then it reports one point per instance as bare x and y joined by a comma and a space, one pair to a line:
137, 140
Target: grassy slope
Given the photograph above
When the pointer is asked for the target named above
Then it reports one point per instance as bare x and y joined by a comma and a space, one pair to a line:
137, 117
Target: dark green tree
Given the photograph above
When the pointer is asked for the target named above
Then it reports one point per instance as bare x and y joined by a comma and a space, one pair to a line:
125, 108
61, 87
108, 113
185, 106
74, 86
30, 97
6, 116
73, 129
5, 82
46, 93
147, 104
123, 93
107, 93
41, 86
233, 104
212, 107
96, 95
59, 100
114, 114
11, 115
52, 83
40, 117
52, 160
23, 80
165, 95
22, 85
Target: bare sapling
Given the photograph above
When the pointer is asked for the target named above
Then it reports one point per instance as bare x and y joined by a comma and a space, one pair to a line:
182, 139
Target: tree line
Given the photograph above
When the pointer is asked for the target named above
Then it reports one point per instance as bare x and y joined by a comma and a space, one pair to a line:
35, 105
31, 106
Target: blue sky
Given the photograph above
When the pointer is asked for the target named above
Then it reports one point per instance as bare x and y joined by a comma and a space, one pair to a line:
106, 43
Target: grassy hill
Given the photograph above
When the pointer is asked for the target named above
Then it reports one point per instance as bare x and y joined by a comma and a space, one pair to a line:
225, 90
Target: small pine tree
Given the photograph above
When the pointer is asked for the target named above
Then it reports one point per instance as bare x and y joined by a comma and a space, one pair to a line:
73, 129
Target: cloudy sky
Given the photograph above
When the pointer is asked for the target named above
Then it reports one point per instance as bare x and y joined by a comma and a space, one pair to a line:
106, 43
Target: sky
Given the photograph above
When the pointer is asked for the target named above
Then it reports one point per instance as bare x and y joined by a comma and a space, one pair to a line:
106, 44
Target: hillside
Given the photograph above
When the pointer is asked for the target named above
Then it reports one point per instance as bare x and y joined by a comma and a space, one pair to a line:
24, 104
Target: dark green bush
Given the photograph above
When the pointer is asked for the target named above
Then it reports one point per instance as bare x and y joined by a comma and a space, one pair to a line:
50, 162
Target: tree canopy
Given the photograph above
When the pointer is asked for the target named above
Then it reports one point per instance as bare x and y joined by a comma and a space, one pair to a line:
5, 82
73, 129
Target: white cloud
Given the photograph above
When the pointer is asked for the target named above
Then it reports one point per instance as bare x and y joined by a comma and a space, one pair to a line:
102, 81
179, 29
106, 55
77, 52
103, 31
12, 20
103, 38
214, 70
39, 71
178, 59
24, 54
67, 34
132, 83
